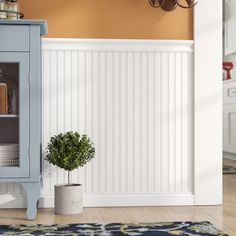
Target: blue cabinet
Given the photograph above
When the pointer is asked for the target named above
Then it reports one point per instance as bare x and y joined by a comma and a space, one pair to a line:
20, 106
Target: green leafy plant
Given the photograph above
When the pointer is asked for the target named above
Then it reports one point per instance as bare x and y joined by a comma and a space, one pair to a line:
69, 151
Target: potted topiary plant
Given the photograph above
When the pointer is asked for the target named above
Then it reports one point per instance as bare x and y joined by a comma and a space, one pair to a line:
69, 151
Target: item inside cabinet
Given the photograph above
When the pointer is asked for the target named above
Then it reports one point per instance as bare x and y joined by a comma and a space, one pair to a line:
9, 154
3, 98
9, 75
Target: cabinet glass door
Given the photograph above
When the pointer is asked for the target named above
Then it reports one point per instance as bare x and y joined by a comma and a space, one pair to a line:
14, 115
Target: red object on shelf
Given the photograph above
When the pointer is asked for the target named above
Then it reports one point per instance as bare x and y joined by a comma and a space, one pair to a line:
228, 66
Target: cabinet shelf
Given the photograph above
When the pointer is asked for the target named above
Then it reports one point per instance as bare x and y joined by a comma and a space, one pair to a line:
9, 116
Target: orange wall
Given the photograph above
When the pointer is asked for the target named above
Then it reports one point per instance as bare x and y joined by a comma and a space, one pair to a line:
109, 19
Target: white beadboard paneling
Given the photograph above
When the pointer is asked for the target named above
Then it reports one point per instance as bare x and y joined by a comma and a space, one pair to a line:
134, 99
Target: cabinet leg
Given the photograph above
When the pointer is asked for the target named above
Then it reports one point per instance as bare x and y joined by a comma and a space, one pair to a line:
32, 191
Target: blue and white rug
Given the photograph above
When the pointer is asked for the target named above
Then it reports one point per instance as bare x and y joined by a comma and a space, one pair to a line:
229, 169
116, 229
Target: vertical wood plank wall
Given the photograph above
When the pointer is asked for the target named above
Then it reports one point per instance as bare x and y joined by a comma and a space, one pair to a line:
134, 98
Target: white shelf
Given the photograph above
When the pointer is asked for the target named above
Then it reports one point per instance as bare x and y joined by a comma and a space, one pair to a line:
8, 116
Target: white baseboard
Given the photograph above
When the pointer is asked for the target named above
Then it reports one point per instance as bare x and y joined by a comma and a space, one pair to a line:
138, 200
229, 156
93, 200
12, 201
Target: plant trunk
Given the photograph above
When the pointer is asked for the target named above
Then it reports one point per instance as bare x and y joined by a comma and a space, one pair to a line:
68, 178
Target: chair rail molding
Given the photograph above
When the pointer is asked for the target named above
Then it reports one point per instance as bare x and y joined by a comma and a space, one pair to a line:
134, 98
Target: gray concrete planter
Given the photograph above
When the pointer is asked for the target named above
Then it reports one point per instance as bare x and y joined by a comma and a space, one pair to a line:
68, 199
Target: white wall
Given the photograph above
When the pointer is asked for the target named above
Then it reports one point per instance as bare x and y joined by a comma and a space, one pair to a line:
135, 100
208, 102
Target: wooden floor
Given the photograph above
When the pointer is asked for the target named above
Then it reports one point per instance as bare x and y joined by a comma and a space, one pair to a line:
223, 217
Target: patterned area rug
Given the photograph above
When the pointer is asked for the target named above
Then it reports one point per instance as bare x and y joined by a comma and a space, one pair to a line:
116, 229
229, 169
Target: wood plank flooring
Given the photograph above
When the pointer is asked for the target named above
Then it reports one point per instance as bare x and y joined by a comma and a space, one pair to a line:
223, 217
